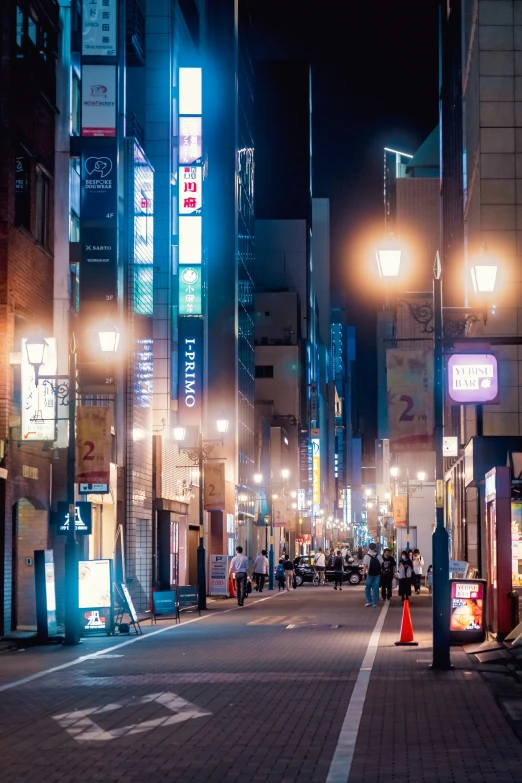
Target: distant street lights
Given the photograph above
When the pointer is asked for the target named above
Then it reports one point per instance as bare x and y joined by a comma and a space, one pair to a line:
36, 346
198, 455
258, 480
483, 275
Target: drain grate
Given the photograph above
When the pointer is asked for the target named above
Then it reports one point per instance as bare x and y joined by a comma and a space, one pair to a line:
482, 647
492, 655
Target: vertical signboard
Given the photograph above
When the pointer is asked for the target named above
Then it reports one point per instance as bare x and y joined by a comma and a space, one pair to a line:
189, 290
190, 140
99, 28
95, 596
99, 197
316, 472
99, 274
93, 444
218, 575
99, 100
410, 399
190, 370
38, 413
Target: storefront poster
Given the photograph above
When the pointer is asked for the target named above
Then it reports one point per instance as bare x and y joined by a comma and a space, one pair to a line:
93, 444
467, 606
218, 574
95, 596
410, 399
214, 486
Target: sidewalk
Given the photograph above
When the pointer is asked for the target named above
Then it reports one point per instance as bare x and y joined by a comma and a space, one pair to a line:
420, 725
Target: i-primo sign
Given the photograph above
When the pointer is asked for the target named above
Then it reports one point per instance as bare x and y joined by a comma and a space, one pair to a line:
190, 372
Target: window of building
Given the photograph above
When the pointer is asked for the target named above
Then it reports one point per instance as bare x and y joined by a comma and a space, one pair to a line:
74, 227
264, 370
42, 207
23, 189
32, 30
19, 26
75, 105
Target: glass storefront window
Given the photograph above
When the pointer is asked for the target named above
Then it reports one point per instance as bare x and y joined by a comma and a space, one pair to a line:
516, 544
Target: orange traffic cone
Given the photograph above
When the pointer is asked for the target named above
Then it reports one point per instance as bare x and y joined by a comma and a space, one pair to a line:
232, 586
406, 627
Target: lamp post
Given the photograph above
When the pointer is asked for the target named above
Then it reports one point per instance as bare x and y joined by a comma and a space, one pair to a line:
198, 456
35, 346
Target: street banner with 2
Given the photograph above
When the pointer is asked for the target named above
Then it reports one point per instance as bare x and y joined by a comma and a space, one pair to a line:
399, 510
93, 444
410, 399
214, 483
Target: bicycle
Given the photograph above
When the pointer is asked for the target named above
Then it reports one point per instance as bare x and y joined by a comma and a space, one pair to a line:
319, 578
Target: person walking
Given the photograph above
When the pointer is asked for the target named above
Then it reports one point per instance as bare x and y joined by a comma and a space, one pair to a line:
239, 566
387, 573
280, 576
288, 567
360, 554
338, 569
418, 564
320, 565
261, 570
372, 564
405, 574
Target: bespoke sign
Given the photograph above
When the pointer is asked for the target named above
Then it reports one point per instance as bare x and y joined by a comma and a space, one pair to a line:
99, 28
93, 444
473, 378
410, 399
82, 518
99, 100
189, 290
99, 197
38, 403
190, 370
99, 276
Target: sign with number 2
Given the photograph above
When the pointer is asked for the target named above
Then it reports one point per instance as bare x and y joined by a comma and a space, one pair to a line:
93, 444
410, 399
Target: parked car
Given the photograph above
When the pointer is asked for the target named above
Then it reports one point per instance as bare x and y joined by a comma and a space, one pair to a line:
304, 571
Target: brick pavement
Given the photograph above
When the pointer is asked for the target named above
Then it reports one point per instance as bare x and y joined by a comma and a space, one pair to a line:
277, 696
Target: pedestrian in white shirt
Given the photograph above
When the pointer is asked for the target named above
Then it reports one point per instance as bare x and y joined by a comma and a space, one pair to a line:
261, 570
418, 564
238, 566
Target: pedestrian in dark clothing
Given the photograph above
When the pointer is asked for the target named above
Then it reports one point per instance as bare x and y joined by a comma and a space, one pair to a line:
360, 554
405, 573
288, 567
338, 569
387, 573
280, 575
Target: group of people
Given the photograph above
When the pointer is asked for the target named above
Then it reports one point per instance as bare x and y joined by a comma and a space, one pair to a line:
382, 571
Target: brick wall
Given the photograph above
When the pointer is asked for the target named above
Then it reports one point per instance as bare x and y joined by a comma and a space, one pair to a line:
32, 533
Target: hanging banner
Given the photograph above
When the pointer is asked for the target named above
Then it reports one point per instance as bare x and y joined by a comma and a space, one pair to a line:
280, 512
410, 399
399, 510
190, 370
99, 100
318, 529
316, 471
214, 486
93, 444
38, 404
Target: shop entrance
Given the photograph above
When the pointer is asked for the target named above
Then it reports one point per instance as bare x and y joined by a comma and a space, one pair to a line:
193, 543
29, 532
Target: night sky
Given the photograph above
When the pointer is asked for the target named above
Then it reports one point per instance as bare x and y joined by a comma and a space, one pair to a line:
375, 84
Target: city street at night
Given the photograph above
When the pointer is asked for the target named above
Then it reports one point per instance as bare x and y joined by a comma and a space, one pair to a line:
260, 693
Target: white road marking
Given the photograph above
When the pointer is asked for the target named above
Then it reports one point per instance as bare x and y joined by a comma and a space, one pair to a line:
32, 677
82, 727
341, 764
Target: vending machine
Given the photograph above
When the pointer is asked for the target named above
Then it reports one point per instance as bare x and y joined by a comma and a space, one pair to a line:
498, 551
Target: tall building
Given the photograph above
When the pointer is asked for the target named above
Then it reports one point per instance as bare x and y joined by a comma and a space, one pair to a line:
481, 180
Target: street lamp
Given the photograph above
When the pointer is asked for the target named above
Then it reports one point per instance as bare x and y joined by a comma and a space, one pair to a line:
285, 473
199, 455
484, 275
389, 261
36, 346
394, 471
258, 478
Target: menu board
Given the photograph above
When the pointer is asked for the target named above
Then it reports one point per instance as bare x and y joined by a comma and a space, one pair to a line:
467, 609
94, 584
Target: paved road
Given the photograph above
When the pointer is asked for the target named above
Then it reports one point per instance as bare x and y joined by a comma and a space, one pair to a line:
255, 694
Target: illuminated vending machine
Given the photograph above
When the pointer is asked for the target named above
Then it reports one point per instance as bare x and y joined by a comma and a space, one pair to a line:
498, 550
95, 597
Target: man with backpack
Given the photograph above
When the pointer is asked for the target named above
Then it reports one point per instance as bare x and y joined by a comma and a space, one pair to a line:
372, 564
